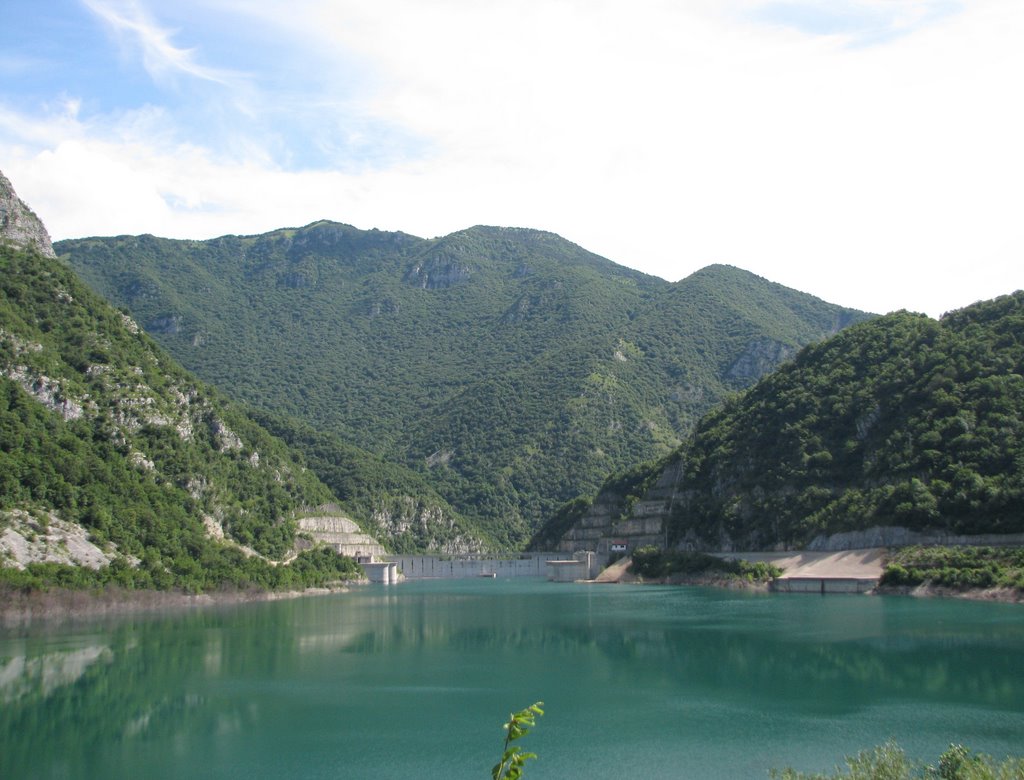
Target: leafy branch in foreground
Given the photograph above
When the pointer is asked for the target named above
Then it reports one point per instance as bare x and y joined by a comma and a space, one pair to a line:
512, 758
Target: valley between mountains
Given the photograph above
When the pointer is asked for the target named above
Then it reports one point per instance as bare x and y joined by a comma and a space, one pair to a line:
454, 392
179, 411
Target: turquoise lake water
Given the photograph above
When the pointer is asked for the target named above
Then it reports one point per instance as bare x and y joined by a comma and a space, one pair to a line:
415, 680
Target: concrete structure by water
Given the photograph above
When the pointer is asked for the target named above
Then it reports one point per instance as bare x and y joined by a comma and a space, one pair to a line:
823, 585
418, 567
582, 566
849, 571
383, 572
338, 532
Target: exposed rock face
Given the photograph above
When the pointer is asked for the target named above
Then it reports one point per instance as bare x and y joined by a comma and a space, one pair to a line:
438, 273
47, 391
168, 323
761, 357
18, 223
28, 540
342, 534
427, 527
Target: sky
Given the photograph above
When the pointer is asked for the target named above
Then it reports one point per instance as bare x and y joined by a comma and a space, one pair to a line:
869, 152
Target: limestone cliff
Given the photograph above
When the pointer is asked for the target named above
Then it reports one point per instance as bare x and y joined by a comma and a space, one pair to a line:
18, 223
411, 523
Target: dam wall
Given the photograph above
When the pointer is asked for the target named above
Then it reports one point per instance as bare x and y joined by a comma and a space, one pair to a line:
419, 567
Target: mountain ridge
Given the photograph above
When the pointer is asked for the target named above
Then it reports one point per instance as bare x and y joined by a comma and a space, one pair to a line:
902, 427
509, 367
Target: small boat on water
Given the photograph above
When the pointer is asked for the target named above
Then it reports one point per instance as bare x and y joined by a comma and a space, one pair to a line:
489, 574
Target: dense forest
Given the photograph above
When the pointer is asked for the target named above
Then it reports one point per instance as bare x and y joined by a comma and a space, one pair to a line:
901, 421
393, 503
98, 427
508, 370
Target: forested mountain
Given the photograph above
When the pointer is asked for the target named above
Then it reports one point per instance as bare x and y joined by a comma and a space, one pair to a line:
111, 453
902, 421
510, 368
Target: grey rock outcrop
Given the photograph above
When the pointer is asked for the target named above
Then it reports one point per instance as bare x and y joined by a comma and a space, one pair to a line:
340, 533
27, 539
426, 525
439, 273
761, 357
18, 223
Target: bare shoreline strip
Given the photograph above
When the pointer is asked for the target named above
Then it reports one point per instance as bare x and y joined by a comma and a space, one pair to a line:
58, 605
868, 563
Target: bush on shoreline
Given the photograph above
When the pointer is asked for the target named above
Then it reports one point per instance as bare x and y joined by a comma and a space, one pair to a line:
958, 568
218, 567
889, 762
653, 563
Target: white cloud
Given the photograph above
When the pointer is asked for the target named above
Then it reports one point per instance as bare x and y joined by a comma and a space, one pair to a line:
662, 135
162, 59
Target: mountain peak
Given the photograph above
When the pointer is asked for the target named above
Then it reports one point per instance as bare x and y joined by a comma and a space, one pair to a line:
18, 223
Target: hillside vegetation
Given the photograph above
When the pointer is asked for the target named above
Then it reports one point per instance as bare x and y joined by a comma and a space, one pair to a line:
511, 369
391, 502
901, 421
99, 429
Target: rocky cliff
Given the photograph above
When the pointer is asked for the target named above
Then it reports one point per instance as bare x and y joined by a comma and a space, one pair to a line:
412, 523
115, 462
18, 223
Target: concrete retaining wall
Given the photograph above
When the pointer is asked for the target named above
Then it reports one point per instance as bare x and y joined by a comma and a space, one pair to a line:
895, 536
339, 532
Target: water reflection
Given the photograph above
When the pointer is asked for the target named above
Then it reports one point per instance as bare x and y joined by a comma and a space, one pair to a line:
39, 676
219, 692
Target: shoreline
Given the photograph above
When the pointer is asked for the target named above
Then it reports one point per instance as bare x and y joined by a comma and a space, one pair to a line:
997, 595
20, 609
618, 573
928, 591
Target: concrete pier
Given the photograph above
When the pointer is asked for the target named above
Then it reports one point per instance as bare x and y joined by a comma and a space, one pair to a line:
383, 572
